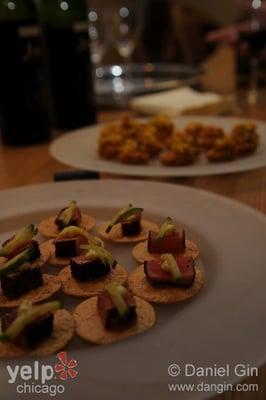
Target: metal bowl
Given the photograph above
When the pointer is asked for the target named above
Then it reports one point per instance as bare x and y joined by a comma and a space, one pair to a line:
115, 83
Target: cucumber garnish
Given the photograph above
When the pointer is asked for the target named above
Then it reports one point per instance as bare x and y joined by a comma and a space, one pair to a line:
170, 264
122, 215
94, 240
17, 261
22, 237
72, 231
99, 252
166, 228
67, 214
26, 316
117, 293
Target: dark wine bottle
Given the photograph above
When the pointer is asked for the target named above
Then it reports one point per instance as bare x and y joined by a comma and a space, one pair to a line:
65, 26
251, 59
24, 91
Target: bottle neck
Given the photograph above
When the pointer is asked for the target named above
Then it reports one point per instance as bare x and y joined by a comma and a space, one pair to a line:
12, 10
62, 13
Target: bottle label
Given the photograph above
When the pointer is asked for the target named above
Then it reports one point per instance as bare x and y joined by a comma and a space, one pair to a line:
81, 27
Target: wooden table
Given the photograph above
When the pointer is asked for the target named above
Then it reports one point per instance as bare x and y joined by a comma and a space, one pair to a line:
30, 165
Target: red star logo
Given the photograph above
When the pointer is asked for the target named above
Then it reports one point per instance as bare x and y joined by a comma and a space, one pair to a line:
65, 368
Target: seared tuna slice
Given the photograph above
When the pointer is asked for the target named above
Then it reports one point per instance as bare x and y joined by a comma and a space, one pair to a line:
34, 332
131, 226
20, 282
66, 247
173, 243
83, 269
155, 273
109, 314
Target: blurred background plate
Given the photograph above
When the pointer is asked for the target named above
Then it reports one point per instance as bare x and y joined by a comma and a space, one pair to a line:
117, 82
80, 149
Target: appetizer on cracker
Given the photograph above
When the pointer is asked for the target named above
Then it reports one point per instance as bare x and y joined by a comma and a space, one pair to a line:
90, 273
113, 315
68, 244
169, 279
127, 226
23, 240
68, 216
22, 280
167, 240
37, 330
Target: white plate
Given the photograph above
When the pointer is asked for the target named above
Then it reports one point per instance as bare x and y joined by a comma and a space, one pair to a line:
224, 324
79, 149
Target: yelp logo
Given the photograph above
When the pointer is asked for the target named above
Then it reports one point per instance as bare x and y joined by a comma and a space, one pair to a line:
40, 378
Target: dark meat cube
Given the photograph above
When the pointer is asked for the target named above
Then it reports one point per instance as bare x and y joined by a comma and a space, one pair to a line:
66, 248
83, 269
20, 282
75, 220
132, 226
36, 254
34, 332
109, 314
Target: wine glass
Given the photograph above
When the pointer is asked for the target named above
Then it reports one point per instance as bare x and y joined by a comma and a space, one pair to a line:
253, 90
98, 43
126, 25
125, 28
97, 35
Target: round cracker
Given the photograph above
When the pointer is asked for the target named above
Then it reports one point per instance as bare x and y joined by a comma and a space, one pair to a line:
63, 330
115, 235
162, 293
90, 288
51, 285
48, 228
45, 255
89, 326
140, 252
58, 261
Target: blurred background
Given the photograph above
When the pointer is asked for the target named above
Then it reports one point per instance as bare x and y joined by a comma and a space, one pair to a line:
62, 61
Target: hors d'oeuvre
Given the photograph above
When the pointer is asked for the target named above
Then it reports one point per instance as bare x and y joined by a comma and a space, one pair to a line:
68, 216
169, 279
90, 273
113, 315
221, 151
23, 280
127, 226
21, 241
245, 139
68, 244
35, 330
167, 240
